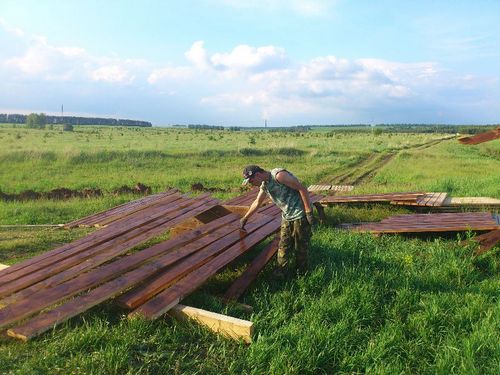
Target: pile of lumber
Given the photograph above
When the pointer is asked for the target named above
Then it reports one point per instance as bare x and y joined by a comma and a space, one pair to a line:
481, 137
394, 198
150, 282
426, 223
437, 201
50, 288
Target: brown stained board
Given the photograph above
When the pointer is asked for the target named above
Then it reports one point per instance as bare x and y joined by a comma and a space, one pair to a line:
100, 258
83, 220
487, 241
127, 208
241, 284
173, 295
53, 265
386, 197
481, 137
439, 217
236, 200
90, 220
432, 223
47, 297
103, 292
138, 210
150, 288
93, 239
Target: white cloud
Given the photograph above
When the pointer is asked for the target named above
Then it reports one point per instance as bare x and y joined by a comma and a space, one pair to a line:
111, 74
244, 58
44, 61
171, 73
197, 55
12, 30
258, 80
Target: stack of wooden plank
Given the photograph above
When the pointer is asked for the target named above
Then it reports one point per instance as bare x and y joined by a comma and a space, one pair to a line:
441, 222
323, 187
481, 137
154, 279
130, 208
401, 198
420, 200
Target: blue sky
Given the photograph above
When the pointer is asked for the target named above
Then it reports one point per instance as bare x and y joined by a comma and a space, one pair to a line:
228, 62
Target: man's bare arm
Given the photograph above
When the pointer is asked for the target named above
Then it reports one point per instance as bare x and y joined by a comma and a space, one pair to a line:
287, 179
255, 204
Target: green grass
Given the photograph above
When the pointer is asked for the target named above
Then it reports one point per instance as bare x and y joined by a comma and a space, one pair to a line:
391, 304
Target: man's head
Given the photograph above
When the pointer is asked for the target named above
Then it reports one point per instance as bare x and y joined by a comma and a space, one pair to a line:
254, 175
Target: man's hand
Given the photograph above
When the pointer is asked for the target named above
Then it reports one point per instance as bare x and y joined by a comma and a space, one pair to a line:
310, 218
243, 222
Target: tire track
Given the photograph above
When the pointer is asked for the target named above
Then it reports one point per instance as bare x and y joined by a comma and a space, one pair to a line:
375, 162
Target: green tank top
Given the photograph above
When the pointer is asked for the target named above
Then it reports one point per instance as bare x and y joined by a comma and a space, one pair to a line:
287, 199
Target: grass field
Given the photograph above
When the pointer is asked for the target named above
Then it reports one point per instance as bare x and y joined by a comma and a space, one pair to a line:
391, 304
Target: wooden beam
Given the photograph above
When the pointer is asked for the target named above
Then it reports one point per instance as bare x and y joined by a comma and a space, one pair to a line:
250, 274
172, 296
228, 326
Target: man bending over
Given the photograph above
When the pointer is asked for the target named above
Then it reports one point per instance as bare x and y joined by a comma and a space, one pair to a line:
286, 191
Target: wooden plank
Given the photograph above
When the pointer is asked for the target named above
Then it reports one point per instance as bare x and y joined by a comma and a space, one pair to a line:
129, 205
103, 292
47, 297
485, 241
3, 266
173, 295
228, 326
137, 297
241, 284
432, 223
471, 201
93, 239
39, 270
136, 210
385, 197
99, 258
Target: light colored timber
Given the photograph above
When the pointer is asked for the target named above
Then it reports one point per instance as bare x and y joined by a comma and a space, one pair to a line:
3, 266
239, 210
458, 201
228, 326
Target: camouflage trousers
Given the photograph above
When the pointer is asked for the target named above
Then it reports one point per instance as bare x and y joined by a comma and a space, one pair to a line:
294, 244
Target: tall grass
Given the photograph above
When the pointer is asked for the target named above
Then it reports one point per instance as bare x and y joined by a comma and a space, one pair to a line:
391, 304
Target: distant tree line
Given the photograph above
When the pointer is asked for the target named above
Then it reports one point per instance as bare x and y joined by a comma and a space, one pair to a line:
36, 121
205, 127
73, 120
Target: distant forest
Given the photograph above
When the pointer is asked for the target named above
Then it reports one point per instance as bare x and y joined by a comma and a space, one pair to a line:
73, 120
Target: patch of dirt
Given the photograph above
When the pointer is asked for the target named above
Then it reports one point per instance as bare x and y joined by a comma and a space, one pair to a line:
137, 189
198, 186
65, 193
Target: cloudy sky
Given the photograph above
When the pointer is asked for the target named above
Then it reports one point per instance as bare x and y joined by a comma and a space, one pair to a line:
238, 62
